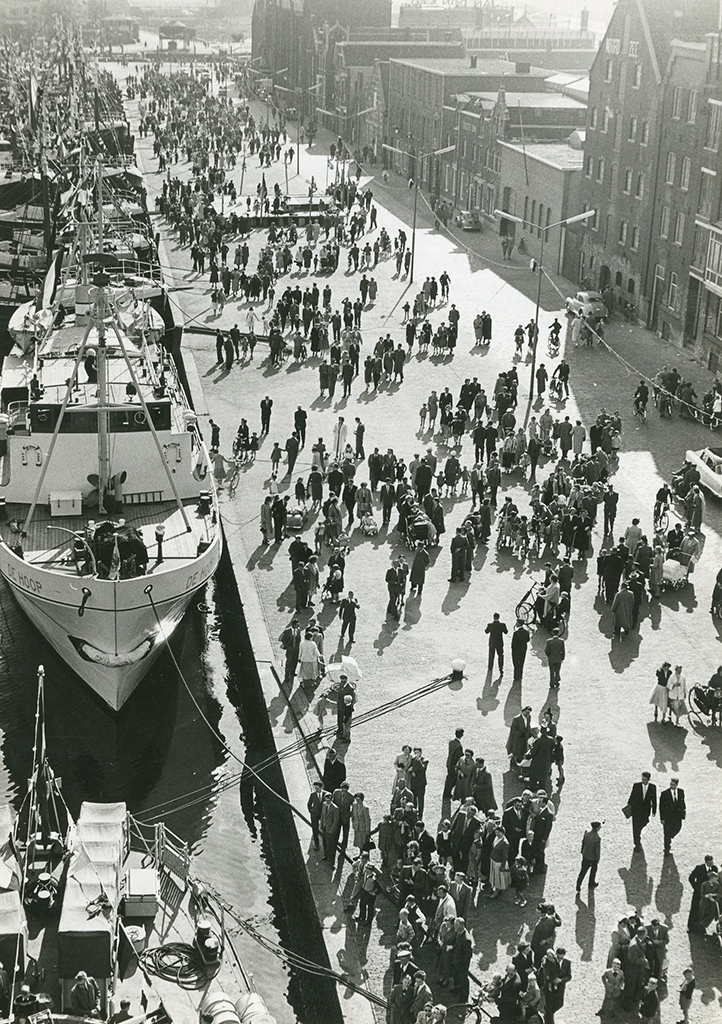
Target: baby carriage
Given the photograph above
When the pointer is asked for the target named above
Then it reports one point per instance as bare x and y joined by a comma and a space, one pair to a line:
556, 389
420, 527
549, 449
296, 518
369, 526
676, 569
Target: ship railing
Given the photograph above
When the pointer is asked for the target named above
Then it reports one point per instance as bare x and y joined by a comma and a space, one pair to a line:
161, 847
17, 419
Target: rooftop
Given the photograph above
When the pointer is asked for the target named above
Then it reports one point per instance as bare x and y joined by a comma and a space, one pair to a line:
462, 67
557, 154
531, 99
365, 53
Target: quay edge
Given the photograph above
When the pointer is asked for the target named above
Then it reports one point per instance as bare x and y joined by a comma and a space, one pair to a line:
312, 905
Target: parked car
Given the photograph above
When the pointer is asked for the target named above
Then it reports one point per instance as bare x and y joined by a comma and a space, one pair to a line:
468, 220
708, 462
588, 304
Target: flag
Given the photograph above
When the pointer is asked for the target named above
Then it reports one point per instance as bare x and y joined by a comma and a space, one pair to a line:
50, 284
32, 98
114, 571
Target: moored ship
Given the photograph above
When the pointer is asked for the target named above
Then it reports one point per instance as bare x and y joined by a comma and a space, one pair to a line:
111, 513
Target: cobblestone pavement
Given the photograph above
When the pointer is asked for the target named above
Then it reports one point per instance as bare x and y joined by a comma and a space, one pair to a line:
602, 705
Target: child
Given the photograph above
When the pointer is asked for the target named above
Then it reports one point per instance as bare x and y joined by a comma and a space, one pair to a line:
519, 880
685, 993
320, 536
465, 478
276, 456
300, 492
558, 759
649, 1006
423, 412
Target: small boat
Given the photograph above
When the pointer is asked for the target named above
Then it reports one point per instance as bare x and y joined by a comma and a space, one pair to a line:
127, 925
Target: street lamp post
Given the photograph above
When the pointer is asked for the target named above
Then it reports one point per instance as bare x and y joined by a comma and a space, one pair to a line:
540, 269
299, 93
413, 183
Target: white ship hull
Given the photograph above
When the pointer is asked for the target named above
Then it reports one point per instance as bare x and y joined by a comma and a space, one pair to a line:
111, 636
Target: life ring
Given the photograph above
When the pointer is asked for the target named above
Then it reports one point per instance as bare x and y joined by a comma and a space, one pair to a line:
43, 416
200, 471
140, 417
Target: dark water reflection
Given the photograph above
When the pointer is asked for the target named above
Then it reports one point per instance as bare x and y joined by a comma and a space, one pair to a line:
151, 754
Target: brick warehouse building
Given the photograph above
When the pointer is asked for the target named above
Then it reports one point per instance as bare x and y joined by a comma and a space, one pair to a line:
628, 120
419, 89
702, 310
286, 36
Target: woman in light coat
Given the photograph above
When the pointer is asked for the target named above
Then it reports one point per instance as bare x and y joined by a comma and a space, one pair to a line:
308, 660
677, 694
361, 822
656, 571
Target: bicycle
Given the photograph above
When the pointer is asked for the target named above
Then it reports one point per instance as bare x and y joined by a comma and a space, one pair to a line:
640, 411
233, 477
661, 519
525, 611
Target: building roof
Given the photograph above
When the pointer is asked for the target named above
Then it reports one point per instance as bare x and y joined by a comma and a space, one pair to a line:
557, 154
550, 100
460, 67
562, 78
363, 54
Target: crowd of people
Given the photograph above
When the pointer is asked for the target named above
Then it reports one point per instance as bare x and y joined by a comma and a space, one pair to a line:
436, 877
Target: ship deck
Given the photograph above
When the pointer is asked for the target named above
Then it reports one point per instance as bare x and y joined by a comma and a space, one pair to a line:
174, 923
49, 543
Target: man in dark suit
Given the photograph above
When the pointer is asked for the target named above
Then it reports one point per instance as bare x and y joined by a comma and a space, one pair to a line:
672, 812
456, 749
314, 805
697, 878
519, 733
643, 804
513, 824
555, 650
519, 644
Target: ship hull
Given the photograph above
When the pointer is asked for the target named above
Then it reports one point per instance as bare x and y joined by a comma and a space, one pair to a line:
108, 632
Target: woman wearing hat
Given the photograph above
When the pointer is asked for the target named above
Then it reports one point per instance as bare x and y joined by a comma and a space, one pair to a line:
499, 869
677, 694
659, 697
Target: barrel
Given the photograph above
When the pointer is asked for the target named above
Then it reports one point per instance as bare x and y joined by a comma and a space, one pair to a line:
252, 1010
218, 1008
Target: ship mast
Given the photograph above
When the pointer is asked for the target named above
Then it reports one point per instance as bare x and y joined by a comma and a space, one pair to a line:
101, 363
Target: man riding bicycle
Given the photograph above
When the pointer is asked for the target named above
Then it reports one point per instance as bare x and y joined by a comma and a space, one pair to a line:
554, 331
641, 397
662, 501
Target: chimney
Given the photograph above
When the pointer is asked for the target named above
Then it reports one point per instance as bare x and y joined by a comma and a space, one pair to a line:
472, 61
584, 25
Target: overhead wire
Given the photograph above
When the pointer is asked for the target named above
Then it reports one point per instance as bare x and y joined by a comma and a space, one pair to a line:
625, 363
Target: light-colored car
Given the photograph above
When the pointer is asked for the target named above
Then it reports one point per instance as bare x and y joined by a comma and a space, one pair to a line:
708, 462
468, 220
588, 304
